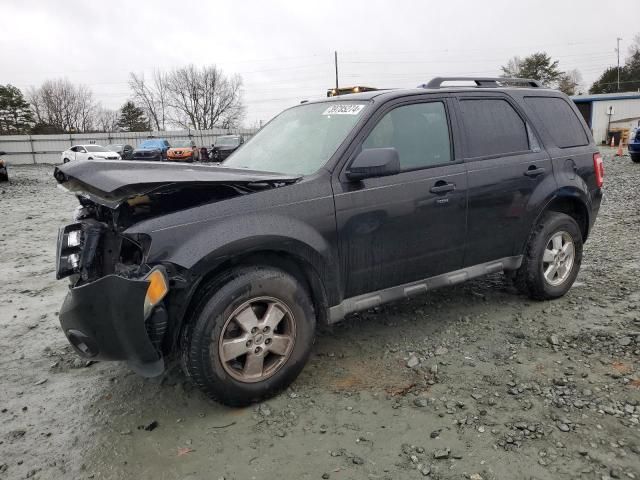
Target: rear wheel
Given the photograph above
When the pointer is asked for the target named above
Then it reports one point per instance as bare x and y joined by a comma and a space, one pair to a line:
552, 257
250, 335
635, 157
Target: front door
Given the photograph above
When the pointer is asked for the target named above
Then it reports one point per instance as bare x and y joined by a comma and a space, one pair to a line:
410, 226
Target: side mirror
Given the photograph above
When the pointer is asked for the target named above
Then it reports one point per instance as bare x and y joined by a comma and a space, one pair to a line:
374, 162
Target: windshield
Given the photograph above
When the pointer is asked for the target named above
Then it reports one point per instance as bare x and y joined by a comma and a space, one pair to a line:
182, 144
95, 148
227, 142
150, 144
300, 140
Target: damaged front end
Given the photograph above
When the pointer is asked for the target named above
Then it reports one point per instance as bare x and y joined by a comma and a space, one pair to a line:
113, 310
116, 307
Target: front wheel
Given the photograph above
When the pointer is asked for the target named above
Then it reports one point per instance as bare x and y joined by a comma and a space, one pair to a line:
635, 157
552, 257
250, 335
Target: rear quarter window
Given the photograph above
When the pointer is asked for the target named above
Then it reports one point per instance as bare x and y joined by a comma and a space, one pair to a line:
559, 120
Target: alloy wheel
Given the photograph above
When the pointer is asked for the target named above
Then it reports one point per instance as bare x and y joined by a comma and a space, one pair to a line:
257, 339
558, 258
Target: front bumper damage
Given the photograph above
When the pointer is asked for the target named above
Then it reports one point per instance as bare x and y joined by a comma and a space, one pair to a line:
123, 305
104, 320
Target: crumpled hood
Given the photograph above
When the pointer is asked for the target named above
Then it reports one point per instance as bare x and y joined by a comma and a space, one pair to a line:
111, 183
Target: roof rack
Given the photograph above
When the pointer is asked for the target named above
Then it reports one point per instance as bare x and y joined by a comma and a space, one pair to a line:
491, 82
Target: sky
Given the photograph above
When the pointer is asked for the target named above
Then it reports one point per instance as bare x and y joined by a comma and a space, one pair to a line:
284, 50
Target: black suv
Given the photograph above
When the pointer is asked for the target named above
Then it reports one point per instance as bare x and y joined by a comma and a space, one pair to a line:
333, 207
225, 146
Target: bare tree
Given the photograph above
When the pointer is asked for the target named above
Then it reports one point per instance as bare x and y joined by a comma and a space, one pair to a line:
63, 106
107, 120
86, 109
570, 81
204, 98
512, 68
151, 97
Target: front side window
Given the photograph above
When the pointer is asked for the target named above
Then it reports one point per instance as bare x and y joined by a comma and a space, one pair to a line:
300, 140
492, 127
419, 132
228, 142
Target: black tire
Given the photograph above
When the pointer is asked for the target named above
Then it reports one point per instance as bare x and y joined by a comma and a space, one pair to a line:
215, 304
530, 278
635, 158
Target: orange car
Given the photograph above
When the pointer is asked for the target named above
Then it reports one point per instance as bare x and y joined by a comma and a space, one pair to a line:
183, 151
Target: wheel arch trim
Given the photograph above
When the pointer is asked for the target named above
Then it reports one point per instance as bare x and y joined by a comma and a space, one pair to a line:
563, 199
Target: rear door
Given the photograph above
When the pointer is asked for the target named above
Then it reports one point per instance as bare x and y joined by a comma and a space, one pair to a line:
410, 226
507, 169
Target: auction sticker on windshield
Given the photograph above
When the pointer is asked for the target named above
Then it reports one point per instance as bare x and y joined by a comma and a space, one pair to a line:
343, 109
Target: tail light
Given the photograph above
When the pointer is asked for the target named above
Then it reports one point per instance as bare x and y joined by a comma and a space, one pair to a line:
598, 166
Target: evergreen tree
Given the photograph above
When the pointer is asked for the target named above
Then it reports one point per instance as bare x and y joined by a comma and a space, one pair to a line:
16, 116
629, 77
538, 66
132, 118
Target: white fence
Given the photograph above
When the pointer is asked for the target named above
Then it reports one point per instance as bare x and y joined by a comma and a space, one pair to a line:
24, 149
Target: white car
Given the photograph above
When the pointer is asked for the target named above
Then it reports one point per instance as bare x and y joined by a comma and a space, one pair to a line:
88, 152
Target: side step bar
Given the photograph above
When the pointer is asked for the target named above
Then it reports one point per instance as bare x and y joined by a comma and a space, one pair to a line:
373, 299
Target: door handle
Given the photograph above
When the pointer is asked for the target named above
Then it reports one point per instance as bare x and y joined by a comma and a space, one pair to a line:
442, 187
533, 171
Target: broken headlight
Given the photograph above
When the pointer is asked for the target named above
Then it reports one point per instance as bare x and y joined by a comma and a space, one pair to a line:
70, 240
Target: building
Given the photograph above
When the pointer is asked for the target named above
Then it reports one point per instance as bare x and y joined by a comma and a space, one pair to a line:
606, 111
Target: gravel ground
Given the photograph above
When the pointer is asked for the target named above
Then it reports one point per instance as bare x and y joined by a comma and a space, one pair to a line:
468, 382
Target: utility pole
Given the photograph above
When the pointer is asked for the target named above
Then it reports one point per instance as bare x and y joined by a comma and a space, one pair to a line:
335, 61
618, 52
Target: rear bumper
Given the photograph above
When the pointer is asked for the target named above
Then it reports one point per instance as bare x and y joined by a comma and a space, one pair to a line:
596, 199
634, 148
104, 320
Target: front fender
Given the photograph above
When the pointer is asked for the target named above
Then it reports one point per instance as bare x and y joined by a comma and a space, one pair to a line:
201, 247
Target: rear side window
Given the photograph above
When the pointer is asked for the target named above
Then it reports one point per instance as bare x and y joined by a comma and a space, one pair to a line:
559, 120
492, 127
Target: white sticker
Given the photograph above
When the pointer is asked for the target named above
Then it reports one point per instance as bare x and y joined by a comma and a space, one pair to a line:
343, 109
